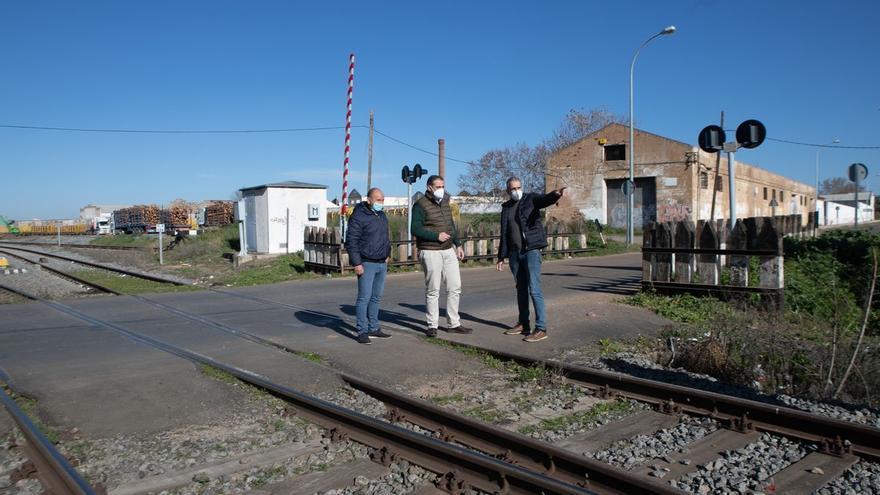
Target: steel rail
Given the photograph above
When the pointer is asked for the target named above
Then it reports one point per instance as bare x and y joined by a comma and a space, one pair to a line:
835, 436
83, 246
63, 274
510, 446
145, 276
460, 467
54, 472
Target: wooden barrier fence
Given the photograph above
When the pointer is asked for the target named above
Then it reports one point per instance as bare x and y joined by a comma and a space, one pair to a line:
324, 253
709, 258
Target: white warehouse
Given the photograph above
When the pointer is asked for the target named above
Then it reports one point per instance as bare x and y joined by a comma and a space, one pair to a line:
275, 215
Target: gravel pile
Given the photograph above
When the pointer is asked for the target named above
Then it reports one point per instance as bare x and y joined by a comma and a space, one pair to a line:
44, 284
636, 451
11, 458
102, 257
861, 479
642, 367
746, 470
355, 400
404, 478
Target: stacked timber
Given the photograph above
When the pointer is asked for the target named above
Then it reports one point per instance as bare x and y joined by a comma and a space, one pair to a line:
219, 213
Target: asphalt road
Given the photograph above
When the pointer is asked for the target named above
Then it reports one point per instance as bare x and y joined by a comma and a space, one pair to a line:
104, 384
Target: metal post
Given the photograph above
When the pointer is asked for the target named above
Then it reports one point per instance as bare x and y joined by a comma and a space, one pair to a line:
161, 261
816, 201
630, 201
242, 228
409, 195
857, 200
630, 205
59, 234
731, 171
287, 223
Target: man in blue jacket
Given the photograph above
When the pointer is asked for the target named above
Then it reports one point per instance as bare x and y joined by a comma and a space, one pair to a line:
522, 238
369, 248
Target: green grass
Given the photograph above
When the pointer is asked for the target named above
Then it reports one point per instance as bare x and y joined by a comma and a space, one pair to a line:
484, 412
279, 269
311, 356
609, 346
582, 417
445, 400
126, 240
218, 374
684, 308
128, 284
29, 406
521, 374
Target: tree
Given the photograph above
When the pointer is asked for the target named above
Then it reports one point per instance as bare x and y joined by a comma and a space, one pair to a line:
838, 185
578, 123
489, 174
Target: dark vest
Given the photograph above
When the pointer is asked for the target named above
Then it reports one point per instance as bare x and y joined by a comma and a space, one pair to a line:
438, 218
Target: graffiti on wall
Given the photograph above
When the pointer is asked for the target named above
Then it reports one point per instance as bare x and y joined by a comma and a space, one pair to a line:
674, 212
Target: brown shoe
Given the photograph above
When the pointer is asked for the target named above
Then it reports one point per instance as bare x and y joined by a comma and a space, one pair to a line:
519, 329
538, 336
460, 329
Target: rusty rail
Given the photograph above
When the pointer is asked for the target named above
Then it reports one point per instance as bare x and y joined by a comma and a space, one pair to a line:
56, 475
145, 276
834, 436
459, 467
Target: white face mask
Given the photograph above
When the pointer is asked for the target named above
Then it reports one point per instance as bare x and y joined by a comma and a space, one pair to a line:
516, 195
438, 194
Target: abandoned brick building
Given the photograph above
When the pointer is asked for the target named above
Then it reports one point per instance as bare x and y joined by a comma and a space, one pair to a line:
674, 181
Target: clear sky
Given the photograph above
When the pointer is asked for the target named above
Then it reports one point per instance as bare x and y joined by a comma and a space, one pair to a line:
479, 74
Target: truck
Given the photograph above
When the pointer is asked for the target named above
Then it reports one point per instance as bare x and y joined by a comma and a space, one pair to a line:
102, 224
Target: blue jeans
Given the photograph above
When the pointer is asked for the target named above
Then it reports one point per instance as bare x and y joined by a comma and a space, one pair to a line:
370, 287
526, 269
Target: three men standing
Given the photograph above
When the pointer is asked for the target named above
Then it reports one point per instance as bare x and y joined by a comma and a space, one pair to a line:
439, 252
522, 238
369, 247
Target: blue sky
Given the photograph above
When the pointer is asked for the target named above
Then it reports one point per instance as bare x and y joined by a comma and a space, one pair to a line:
479, 74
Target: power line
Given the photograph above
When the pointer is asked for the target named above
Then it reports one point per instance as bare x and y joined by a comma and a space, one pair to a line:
377, 131
817, 145
824, 145
220, 131
169, 131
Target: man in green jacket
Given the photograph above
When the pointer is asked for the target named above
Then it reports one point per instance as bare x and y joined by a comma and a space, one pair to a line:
439, 252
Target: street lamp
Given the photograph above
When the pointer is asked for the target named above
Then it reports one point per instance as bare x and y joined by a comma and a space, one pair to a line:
816, 203
631, 187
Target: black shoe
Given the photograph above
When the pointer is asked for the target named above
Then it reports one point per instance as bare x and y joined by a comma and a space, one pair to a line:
431, 332
363, 338
379, 334
460, 329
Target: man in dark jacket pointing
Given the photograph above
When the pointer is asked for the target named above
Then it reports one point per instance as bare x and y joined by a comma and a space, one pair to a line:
522, 238
369, 247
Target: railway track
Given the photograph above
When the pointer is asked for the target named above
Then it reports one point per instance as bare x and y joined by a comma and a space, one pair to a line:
145, 276
839, 444
79, 246
459, 467
52, 469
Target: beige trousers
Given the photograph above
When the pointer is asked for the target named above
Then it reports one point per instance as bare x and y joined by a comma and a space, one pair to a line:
441, 266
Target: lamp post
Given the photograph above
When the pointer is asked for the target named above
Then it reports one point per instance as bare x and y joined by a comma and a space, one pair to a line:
630, 205
816, 203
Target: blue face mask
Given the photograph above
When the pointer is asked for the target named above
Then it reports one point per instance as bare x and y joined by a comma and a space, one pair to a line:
377, 207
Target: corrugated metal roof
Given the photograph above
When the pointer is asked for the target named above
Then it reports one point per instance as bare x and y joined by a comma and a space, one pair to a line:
290, 184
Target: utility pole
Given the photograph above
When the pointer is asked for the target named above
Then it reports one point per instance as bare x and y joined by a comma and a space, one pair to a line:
370, 157
441, 157
716, 178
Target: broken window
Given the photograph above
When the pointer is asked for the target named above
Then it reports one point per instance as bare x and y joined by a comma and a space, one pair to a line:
615, 152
